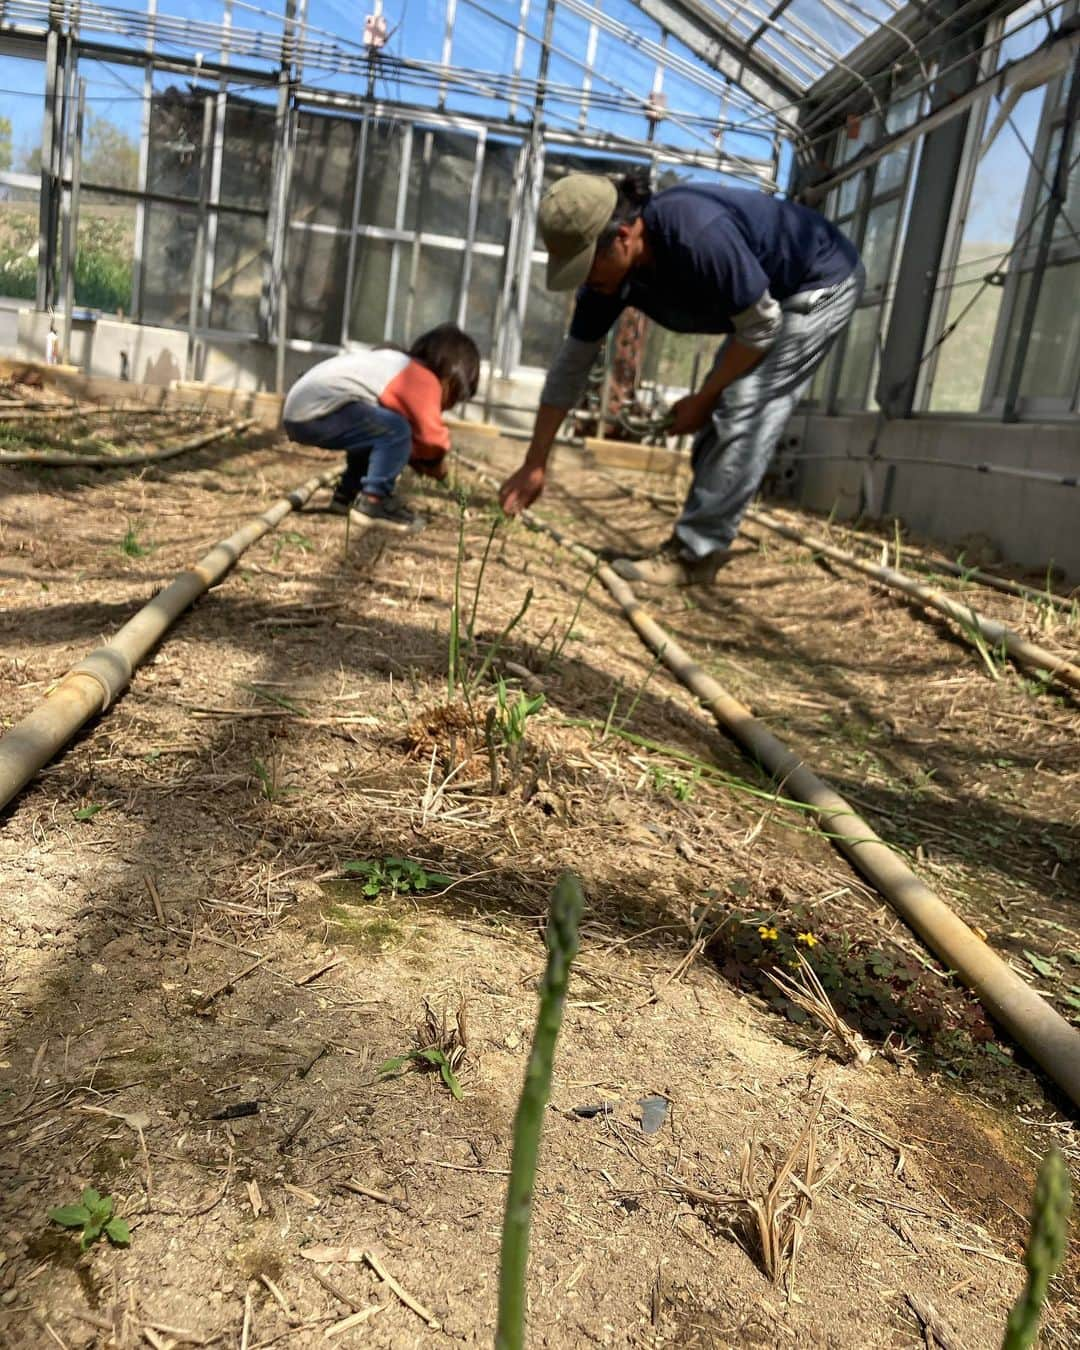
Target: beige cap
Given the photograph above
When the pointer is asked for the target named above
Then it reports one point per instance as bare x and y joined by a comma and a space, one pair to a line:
571, 219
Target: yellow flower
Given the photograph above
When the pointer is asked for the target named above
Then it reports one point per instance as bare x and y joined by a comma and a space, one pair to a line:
768, 934
808, 938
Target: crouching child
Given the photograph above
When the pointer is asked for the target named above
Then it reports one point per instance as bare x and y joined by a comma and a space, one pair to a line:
384, 409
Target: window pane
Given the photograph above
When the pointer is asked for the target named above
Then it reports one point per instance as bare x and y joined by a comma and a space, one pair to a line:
485, 283
962, 358
547, 318
18, 244
371, 280
112, 124
248, 154
324, 170
176, 132
1053, 355
316, 272
496, 182
860, 353
878, 242
382, 173
168, 250
440, 182
105, 244
433, 294
240, 258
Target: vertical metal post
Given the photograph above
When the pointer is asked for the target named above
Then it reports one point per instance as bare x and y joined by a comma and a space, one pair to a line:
920, 262
399, 224
216, 163
199, 260
447, 46
470, 227
350, 261
586, 80
46, 205
421, 209
519, 55
273, 307
71, 240
1059, 190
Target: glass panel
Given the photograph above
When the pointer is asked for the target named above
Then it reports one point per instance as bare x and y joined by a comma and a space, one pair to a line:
485, 282
105, 244
440, 182
878, 241
547, 318
434, 294
1053, 355
240, 257
371, 280
1067, 225
247, 161
18, 244
324, 170
962, 361
990, 227
168, 250
176, 133
496, 183
858, 134
382, 173
316, 273
112, 124
860, 353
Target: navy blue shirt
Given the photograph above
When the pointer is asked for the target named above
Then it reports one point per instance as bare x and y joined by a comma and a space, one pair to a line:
715, 252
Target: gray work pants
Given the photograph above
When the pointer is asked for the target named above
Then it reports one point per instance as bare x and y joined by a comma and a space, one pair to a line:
732, 452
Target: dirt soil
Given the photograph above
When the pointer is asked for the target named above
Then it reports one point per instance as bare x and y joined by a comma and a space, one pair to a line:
198, 993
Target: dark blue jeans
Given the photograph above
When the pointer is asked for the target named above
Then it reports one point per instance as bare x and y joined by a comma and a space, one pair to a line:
377, 444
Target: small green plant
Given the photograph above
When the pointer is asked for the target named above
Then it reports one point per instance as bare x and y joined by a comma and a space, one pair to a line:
94, 1215
511, 718
682, 789
1045, 1250
561, 938
557, 649
399, 876
131, 546
266, 779
89, 812
291, 539
429, 1055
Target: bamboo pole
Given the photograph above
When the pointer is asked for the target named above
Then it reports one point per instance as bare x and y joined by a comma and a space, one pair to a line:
994, 633
92, 685
49, 459
1024, 1014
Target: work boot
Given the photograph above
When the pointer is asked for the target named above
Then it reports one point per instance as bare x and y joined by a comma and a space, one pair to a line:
672, 565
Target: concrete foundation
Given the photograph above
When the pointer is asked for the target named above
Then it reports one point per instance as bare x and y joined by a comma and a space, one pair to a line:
1033, 524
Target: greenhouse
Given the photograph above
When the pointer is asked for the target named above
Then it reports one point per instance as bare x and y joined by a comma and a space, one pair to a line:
540, 653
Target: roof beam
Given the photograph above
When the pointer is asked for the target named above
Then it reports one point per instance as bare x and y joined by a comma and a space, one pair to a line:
692, 24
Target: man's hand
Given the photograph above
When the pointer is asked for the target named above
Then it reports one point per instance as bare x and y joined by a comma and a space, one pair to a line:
522, 488
690, 414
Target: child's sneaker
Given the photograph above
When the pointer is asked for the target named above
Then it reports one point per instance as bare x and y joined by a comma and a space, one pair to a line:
389, 512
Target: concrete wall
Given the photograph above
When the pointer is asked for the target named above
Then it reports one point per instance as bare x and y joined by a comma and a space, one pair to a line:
1030, 523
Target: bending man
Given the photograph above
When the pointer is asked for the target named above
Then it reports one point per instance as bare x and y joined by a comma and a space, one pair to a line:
777, 278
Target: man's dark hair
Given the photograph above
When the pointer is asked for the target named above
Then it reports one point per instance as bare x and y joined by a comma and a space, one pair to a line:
451, 355
634, 195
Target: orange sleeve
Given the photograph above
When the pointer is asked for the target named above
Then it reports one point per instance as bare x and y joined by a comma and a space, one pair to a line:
416, 393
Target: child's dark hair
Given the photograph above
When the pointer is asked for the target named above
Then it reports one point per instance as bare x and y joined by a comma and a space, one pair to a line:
451, 355
635, 194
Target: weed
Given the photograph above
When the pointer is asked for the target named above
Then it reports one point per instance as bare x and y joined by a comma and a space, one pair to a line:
94, 1215
266, 778
453, 659
682, 789
557, 649
132, 547
291, 539
399, 876
494, 649
511, 718
88, 812
442, 1045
